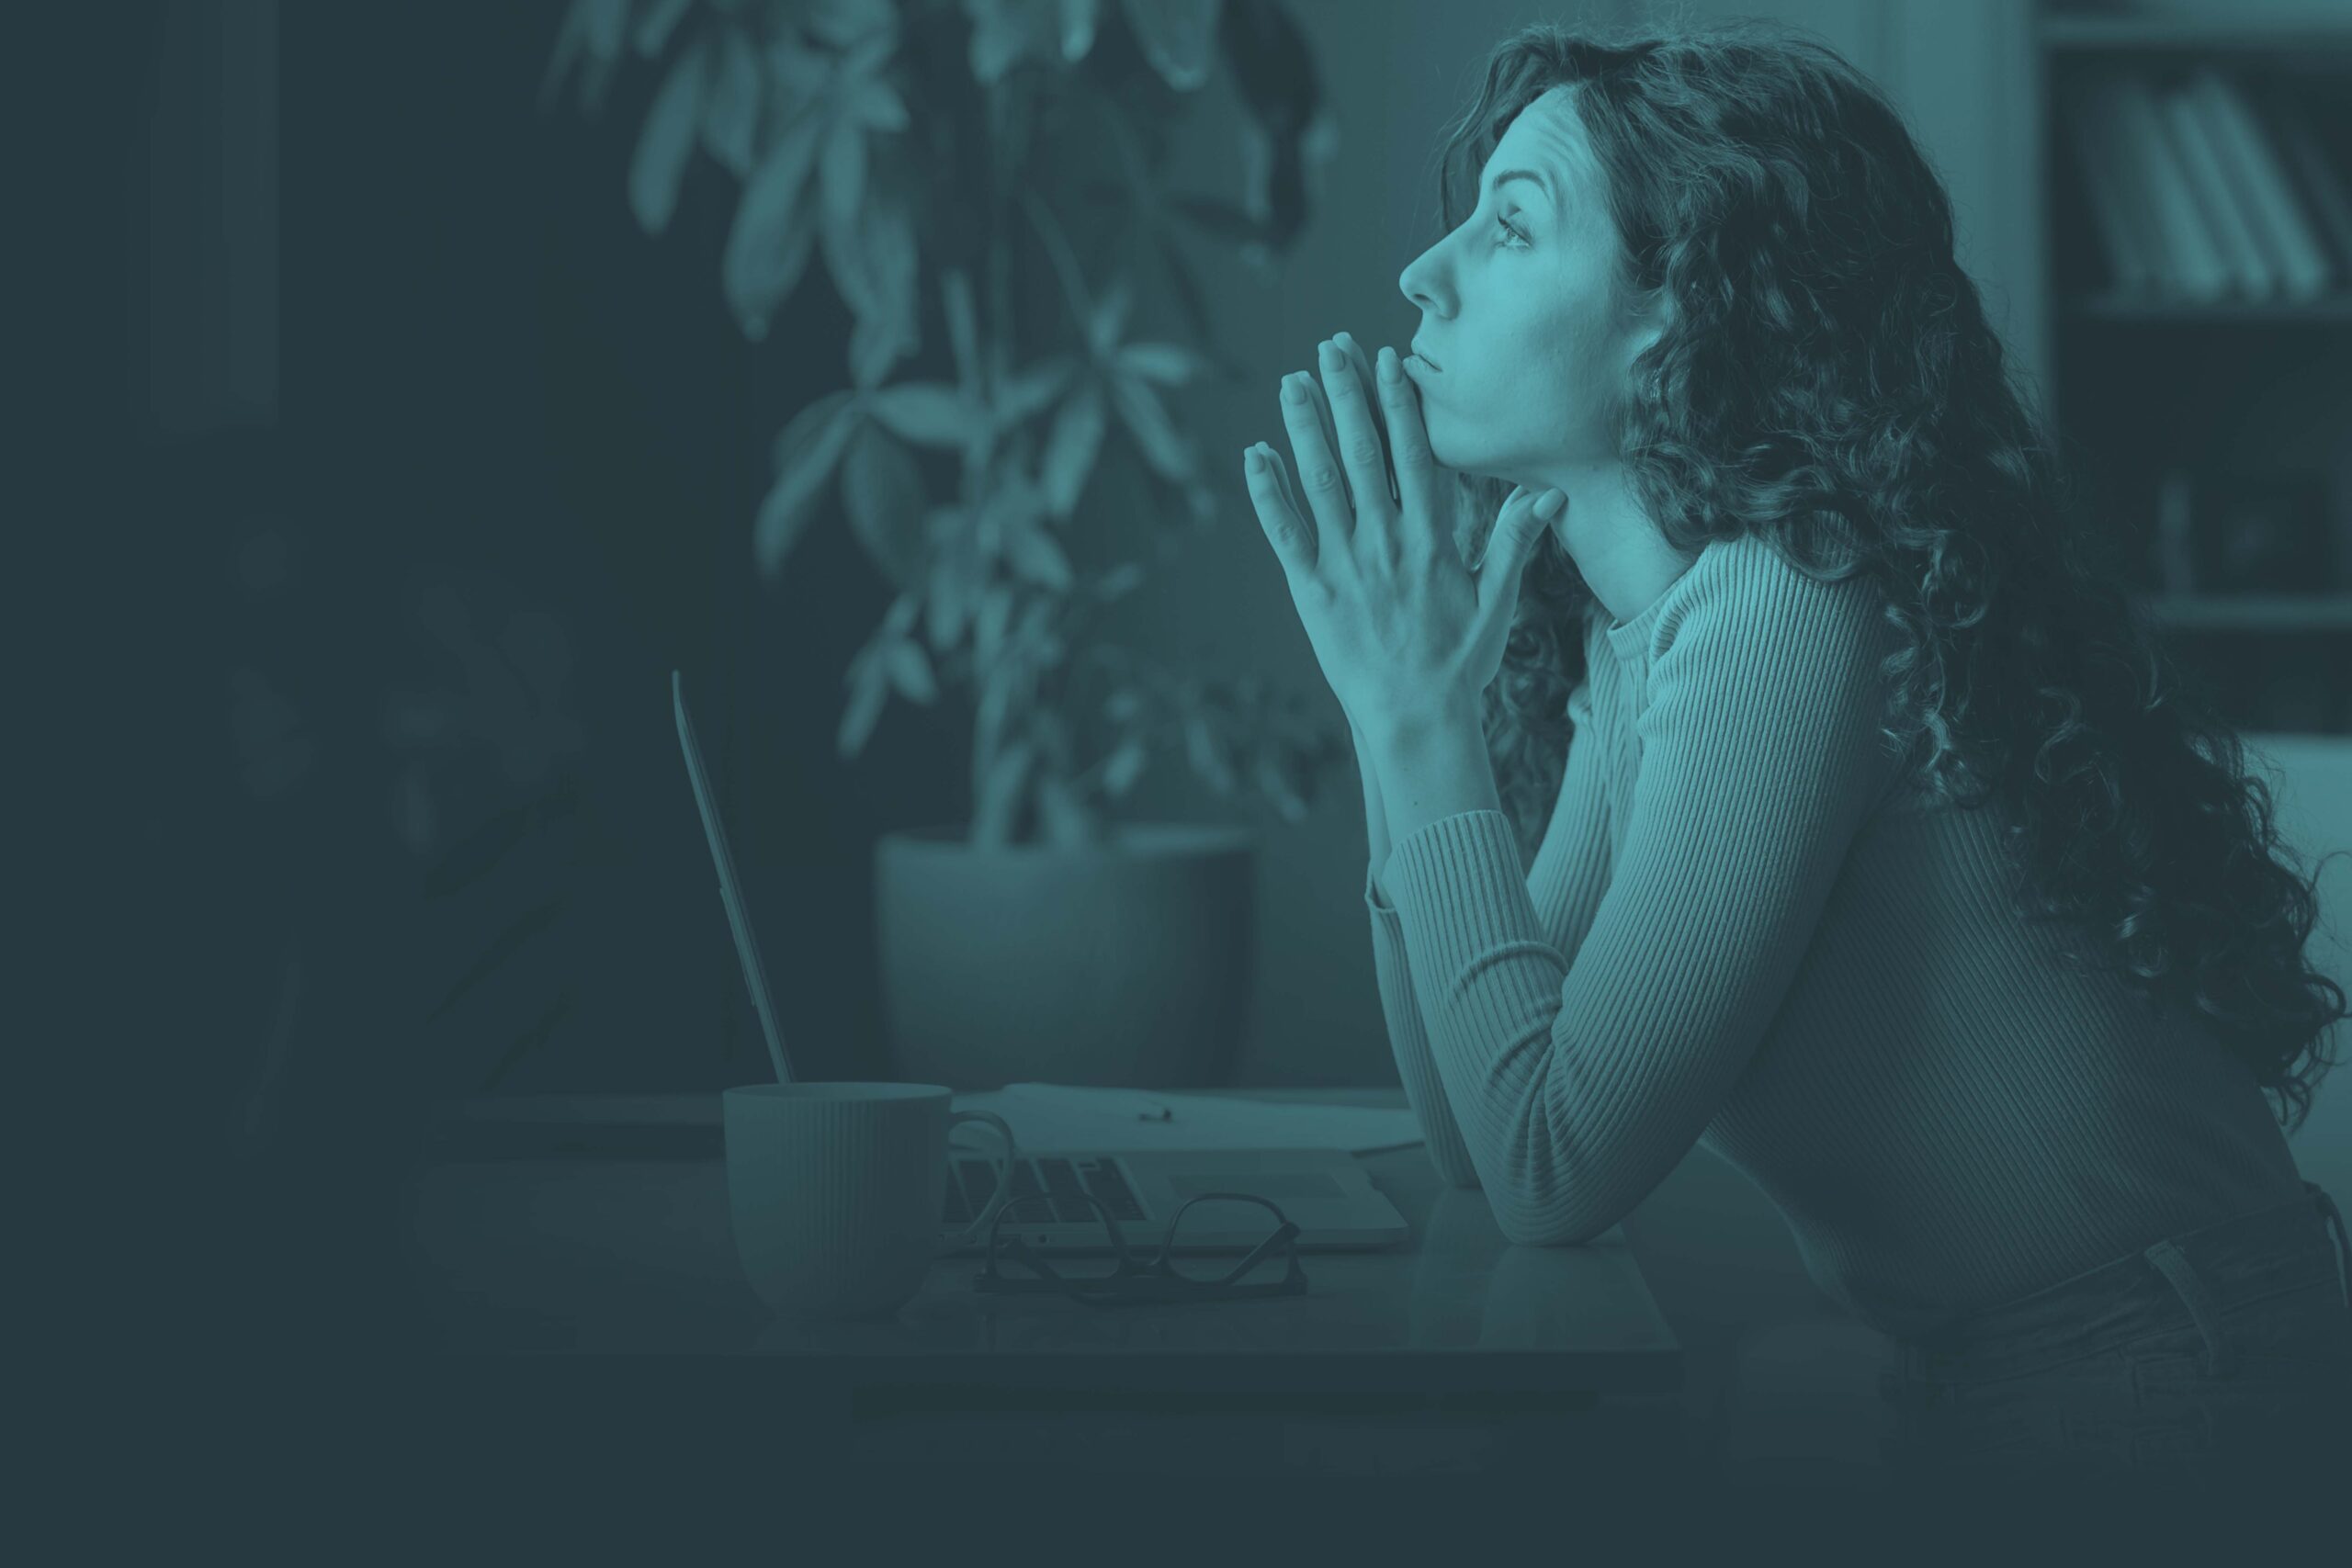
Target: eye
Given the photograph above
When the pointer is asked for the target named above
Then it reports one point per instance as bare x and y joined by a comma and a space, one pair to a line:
1507, 229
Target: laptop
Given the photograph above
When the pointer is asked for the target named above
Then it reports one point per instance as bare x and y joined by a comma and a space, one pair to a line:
1324, 1191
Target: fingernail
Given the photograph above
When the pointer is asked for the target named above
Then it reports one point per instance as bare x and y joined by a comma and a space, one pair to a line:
1332, 358
1294, 388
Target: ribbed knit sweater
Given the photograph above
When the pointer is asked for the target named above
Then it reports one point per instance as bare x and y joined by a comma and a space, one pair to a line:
1746, 928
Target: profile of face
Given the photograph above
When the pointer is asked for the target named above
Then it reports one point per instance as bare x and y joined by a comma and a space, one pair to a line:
1517, 312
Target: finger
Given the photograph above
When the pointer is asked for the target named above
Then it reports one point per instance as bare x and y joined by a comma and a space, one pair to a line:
1421, 490
1521, 526
1367, 372
1282, 475
1293, 541
1318, 471
1358, 426
1331, 431
1485, 542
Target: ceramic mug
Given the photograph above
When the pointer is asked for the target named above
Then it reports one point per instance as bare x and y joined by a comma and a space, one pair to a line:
834, 1190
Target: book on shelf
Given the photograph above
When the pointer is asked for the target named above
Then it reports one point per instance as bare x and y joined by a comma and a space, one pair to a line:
2244, 256
2195, 192
2258, 179
2192, 264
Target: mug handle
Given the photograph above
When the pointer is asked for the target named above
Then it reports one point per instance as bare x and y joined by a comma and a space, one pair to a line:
980, 1225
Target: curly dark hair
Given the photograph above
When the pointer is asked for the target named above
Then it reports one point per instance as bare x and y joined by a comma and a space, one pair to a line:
1827, 380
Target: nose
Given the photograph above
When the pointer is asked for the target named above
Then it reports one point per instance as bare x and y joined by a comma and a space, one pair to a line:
1419, 284
1408, 283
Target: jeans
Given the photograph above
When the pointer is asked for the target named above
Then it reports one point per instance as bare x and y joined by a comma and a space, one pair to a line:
2218, 1356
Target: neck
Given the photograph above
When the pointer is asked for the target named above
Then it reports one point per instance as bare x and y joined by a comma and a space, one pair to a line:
1618, 551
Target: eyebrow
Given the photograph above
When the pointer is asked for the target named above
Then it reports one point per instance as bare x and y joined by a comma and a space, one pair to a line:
1544, 184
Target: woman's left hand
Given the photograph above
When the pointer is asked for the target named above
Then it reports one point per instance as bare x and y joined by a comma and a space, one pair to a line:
1405, 631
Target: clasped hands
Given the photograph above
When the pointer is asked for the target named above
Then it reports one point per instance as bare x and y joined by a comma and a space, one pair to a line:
1405, 631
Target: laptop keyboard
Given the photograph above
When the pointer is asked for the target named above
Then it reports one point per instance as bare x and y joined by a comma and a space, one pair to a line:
1059, 1179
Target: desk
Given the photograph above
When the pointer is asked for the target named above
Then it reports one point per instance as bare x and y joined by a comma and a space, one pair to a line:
1454, 1351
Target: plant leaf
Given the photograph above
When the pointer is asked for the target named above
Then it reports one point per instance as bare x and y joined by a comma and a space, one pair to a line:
996, 810
910, 672
570, 37
501, 948
840, 191
653, 27
806, 453
929, 413
886, 330
1064, 817
954, 579
667, 139
1005, 684
1162, 447
988, 630
1119, 581
1126, 765
1168, 364
730, 107
593, 28
767, 248
1031, 388
607, 23
1036, 556
866, 32
883, 492
870, 688
1002, 37
1177, 36
878, 106
1072, 447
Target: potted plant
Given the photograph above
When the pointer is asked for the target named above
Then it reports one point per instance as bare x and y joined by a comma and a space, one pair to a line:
996, 139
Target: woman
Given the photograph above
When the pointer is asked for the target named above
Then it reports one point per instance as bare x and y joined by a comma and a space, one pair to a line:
1890, 859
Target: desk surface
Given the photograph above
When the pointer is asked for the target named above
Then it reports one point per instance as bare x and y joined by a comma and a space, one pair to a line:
636, 1256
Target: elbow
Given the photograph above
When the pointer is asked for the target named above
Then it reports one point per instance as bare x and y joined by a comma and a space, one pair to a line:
1544, 1223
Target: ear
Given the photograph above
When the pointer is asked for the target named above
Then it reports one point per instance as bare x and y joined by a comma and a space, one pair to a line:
1656, 318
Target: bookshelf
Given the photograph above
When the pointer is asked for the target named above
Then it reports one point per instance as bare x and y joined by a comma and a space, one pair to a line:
2196, 232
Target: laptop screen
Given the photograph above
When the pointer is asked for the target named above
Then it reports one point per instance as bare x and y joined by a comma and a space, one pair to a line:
739, 920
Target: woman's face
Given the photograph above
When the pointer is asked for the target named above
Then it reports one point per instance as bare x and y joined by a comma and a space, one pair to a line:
1528, 359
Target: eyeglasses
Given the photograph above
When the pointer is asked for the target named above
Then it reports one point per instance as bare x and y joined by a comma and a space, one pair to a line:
1122, 1277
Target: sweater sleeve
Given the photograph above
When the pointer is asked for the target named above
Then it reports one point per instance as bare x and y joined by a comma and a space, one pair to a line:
1564, 885
1578, 1085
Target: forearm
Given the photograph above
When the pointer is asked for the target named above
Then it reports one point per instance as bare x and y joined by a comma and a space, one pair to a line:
1409, 1040
1430, 769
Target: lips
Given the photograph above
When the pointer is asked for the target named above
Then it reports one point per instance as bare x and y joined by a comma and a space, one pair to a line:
1425, 357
